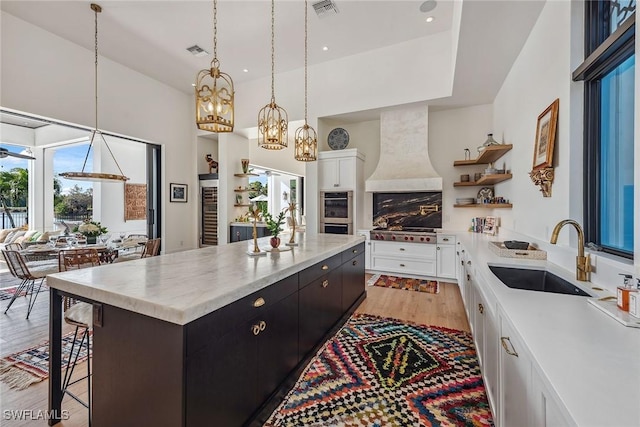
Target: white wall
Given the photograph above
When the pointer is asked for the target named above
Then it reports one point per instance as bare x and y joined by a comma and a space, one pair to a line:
59, 76
450, 132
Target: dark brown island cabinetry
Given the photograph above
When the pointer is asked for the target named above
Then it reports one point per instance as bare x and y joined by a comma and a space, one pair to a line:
229, 366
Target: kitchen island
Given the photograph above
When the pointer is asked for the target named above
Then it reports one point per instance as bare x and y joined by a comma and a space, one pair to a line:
206, 336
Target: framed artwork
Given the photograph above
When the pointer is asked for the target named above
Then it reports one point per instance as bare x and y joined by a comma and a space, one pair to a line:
135, 201
178, 192
546, 137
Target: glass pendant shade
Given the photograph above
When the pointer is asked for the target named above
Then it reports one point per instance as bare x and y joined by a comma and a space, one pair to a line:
96, 176
306, 149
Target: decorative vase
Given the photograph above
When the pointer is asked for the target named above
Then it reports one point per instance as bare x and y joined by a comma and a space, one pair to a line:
91, 240
245, 165
275, 242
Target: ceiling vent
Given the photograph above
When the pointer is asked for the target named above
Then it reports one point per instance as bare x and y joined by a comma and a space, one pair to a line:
197, 51
325, 8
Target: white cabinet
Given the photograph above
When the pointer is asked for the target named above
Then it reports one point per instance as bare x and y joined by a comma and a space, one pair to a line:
446, 256
410, 258
515, 377
337, 173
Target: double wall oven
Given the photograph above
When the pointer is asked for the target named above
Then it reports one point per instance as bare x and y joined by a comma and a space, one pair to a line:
336, 212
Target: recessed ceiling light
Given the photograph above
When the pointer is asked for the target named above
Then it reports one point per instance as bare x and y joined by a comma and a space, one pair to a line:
325, 48
245, 71
430, 18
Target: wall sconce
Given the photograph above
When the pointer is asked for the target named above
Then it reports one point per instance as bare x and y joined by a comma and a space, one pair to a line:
285, 196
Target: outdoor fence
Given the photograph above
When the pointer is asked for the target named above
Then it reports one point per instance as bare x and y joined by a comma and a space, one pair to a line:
21, 217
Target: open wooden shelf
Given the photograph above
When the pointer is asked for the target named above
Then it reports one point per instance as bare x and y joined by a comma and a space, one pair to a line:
486, 205
241, 205
242, 175
488, 155
485, 180
241, 190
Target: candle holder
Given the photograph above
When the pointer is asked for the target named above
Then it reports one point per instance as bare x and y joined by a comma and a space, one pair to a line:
292, 210
255, 213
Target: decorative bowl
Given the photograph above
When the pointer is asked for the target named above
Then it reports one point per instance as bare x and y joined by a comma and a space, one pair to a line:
516, 244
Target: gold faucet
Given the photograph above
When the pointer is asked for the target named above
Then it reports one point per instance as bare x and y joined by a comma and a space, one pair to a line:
583, 263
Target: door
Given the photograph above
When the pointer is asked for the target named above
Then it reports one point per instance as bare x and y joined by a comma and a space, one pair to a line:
515, 377
328, 174
347, 173
154, 214
446, 261
352, 281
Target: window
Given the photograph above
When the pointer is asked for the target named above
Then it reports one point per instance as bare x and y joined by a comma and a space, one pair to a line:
609, 74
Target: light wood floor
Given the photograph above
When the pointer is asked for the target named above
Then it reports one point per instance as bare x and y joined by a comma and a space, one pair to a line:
16, 334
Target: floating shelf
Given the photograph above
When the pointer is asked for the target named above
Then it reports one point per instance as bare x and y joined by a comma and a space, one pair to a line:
488, 155
243, 175
486, 205
241, 205
243, 190
485, 180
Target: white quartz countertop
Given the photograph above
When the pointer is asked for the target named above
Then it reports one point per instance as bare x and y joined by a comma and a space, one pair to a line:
587, 358
183, 286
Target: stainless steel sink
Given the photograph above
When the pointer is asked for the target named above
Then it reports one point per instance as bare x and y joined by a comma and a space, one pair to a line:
535, 280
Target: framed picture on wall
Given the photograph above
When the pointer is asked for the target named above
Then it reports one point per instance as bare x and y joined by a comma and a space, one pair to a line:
546, 137
178, 192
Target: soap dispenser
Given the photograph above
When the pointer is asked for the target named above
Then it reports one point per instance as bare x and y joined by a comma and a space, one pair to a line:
624, 291
634, 300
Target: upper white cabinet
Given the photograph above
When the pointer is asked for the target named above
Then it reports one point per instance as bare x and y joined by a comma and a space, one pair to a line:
340, 170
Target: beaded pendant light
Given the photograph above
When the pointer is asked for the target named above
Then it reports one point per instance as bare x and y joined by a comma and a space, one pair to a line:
273, 121
96, 176
214, 91
306, 139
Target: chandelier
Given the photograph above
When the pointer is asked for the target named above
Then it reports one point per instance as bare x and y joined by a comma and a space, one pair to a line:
306, 139
96, 176
272, 119
214, 91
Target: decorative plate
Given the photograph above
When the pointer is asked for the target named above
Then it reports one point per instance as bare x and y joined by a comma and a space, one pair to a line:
485, 193
338, 139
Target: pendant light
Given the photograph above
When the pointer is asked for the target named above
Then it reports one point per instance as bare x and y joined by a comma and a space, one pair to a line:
214, 91
306, 139
272, 119
96, 176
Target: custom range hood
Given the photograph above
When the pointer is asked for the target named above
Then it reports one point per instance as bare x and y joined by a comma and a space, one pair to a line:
404, 163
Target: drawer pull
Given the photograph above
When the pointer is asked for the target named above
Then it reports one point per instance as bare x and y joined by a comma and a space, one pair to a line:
355, 251
256, 329
469, 262
512, 352
325, 267
259, 302
401, 265
468, 277
438, 248
445, 239
325, 283
481, 308
402, 249
354, 263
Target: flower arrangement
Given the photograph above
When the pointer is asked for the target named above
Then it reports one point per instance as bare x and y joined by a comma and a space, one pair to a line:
90, 229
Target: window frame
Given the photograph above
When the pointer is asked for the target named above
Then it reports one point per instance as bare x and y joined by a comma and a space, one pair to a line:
603, 53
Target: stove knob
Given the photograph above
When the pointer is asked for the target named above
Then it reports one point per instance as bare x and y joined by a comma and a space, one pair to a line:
393, 237
406, 238
382, 237
422, 239
428, 239
411, 238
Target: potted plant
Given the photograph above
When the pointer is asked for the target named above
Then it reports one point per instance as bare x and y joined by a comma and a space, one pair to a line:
274, 226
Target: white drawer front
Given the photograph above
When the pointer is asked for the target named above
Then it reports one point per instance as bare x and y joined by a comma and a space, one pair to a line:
413, 250
446, 239
398, 265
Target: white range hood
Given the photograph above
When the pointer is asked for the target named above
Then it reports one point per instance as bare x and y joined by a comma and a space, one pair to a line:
404, 163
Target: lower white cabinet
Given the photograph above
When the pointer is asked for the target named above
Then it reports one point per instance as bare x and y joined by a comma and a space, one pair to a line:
446, 256
410, 258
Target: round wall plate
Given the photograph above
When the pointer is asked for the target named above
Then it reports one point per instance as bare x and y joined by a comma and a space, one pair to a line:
485, 193
338, 139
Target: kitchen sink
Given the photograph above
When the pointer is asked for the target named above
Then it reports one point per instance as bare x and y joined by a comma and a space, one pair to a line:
535, 280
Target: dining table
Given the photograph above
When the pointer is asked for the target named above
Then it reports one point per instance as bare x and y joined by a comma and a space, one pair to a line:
46, 252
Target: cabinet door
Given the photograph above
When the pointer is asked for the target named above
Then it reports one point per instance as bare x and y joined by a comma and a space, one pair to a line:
352, 281
446, 261
346, 173
477, 318
492, 347
221, 380
277, 344
515, 377
328, 174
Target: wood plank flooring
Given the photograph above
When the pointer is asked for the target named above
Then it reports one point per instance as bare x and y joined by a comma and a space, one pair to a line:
16, 334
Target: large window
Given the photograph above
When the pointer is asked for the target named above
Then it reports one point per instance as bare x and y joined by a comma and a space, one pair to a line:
609, 74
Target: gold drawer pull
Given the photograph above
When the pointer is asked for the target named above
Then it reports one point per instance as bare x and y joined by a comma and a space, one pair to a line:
259, 302
445, 240
468, 277
355, 251
469, 262
481, 308
354, 263
325, 283
402, 249
256, 329
504, 344
325, 267
401, 265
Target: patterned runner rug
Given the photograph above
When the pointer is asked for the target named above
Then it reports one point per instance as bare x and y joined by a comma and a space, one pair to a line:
20, 370
406, 283
7, 293
385, 372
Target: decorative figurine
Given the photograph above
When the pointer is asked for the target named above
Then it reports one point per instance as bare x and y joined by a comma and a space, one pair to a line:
292, 210
213, 165
254, 213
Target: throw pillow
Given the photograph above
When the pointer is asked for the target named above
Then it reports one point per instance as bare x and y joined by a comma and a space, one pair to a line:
44, 237
36, 236
13, 236
5, 232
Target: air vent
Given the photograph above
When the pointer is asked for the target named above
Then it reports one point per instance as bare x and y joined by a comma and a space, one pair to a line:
197, 51
325, 7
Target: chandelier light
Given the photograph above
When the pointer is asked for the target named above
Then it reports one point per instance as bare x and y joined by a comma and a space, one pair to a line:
96, 176
306, 139
214, 91
272, 119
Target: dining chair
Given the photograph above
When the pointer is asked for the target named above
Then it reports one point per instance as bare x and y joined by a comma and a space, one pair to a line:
80, 315
151, 248
28, 276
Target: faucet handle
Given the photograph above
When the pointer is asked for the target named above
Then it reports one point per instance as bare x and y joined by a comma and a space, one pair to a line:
587, 263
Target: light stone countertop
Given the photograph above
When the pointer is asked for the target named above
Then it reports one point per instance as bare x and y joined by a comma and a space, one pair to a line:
588, 359
184, 286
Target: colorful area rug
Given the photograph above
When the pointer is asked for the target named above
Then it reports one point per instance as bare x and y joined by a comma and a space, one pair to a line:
406, 283
384, 372
20, 370
7, 293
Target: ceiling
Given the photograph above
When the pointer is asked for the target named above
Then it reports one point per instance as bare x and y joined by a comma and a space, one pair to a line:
151, 37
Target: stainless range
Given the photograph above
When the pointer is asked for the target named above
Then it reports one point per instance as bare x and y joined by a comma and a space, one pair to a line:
407, 234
